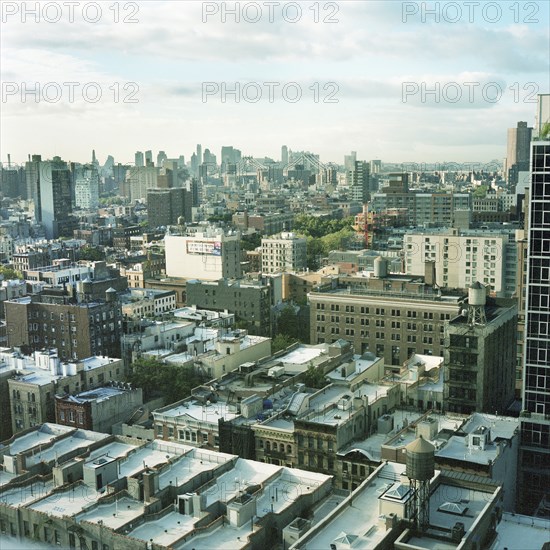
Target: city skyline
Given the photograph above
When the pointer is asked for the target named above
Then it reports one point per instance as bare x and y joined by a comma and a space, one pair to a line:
363, 75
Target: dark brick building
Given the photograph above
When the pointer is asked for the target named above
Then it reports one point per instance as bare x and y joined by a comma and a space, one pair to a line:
54, 318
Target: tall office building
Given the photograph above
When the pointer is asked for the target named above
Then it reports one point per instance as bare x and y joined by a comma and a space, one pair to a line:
165, 206
53, 207
161, 157
148, 158
199, 154
284, 155
349, 161
517, 158
32, 176
534, 478
87, 188
139, 159
359, 181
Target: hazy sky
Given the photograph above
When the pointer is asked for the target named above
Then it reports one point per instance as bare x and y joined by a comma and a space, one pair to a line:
152, 65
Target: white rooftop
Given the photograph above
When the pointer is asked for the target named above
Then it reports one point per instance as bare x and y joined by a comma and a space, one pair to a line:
40, 436
360, 517
517, 532
199, 411
301, 355
25, 494
78, 440
114, 514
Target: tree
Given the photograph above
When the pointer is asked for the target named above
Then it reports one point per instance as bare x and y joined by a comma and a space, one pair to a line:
251, 241
314, 377
287, 322
172, 381
282, 341
10, 273
91, 253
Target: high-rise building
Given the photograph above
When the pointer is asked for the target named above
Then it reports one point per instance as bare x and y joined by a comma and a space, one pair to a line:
359, 181
32, 175
534, 478
139, 179
166, 206
349, 161
199, 154
87, 188
148, 157
53, 207
517, 158
284, 155
209, 158
161, 157
139, 159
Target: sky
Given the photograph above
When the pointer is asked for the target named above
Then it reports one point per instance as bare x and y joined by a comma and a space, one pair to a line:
392, 80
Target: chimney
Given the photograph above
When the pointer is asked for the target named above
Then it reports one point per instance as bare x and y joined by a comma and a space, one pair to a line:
429, 273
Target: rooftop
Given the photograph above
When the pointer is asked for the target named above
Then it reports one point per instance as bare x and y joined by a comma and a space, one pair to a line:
42, 435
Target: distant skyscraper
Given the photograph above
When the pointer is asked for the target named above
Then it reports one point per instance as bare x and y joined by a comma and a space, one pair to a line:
209, 158
139, 160
199, 154
359, 181
87, 188
32, 176
148, 157
194, 164
517, 158
161, 157
534, 479
349, 161
166, 206
284, 155
54, 205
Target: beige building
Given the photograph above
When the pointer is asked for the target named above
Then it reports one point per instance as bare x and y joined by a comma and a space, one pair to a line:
285, 252
461, 258
391, 316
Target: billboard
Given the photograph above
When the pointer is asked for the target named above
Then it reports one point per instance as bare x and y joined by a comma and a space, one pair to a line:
210, 248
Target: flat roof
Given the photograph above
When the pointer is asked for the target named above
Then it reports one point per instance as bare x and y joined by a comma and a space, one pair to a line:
78, 440
200, 411
359, 517
518, 532
43, 434
25, 494
301, 355
166, 530
113, 514
69, 502
99, 394
190, 465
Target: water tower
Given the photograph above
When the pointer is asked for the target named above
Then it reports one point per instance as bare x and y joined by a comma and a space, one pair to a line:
420, 470
477, 297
